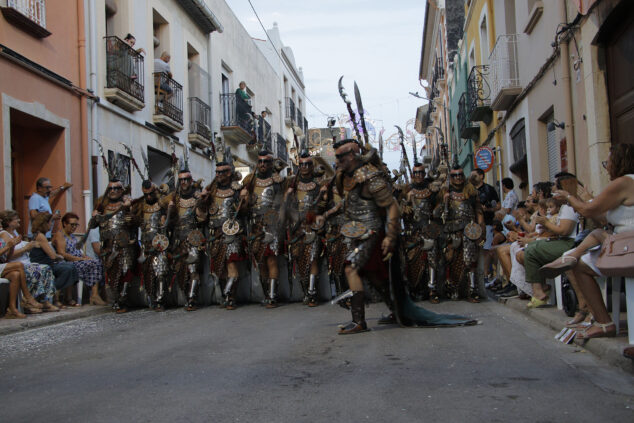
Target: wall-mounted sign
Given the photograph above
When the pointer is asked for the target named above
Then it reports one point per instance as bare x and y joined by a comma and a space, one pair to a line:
484, 158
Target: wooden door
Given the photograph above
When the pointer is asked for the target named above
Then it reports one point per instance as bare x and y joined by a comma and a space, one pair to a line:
620, 77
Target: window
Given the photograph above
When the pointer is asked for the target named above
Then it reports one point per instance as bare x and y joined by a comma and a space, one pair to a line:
518, 138
552, 143
484, 42
161, 34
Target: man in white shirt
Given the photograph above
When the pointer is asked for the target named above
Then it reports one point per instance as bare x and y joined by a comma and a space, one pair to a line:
161, 65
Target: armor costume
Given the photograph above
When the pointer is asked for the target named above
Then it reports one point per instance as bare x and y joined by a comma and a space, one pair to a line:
264, 191
462, 216
225, 235
187, 240
419, 247
118, 236
305, 245
151, 214
336, 248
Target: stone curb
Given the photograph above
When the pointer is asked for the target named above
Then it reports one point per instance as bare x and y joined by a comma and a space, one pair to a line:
609, 350
8, 326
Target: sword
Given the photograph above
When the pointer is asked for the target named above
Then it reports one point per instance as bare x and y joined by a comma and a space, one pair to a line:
357, 97
353, 119
400, 135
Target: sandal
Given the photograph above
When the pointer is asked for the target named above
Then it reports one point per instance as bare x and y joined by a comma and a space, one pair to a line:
579, 318
604, 333
14, 315
72, 303
33, 303
48, 307
537, 303
557, 267
29, 309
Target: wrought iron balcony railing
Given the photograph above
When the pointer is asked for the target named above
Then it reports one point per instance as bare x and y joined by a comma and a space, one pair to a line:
199, 118
300, 119
168, 99
290, 109
29, 15
439, 70
479, 94
505, 80
265, 137
124, 68
35, 10
468, 129
281, 152
236, 112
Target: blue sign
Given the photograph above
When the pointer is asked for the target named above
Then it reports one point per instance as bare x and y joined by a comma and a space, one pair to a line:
483, 158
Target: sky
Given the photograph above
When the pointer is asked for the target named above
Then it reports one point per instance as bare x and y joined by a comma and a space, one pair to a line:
376, 43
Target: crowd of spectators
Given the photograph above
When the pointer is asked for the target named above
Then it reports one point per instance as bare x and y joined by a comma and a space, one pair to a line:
45, 268
558, 230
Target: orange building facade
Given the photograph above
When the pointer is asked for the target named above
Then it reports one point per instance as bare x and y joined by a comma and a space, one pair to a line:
43, 122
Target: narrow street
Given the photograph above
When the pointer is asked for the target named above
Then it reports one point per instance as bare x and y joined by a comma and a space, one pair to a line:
288, 365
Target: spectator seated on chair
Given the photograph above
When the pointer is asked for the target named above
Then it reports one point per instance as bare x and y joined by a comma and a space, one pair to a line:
66, 274
39, 285
616, 204
90, 270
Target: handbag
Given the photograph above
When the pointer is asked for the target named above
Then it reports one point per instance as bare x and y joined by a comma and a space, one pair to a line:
617, 255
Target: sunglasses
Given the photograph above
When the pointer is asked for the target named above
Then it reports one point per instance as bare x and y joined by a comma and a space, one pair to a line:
116, 188
222, 172
457, 175
265, 161
342, 155
305, 164
418, 173
184, 179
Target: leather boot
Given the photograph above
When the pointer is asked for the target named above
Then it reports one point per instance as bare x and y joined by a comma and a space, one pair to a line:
230, 288
312, 291
357, 308
191, 298
474, 295
272, 300
434, 298
120, 306
160, 299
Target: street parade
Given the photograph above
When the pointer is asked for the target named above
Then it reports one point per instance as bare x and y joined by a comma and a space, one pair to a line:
319, 211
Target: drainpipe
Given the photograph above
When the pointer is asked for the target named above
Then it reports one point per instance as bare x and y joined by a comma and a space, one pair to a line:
92, 15
566, 81
84, 103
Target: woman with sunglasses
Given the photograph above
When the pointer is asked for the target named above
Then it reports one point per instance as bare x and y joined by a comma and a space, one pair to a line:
90, 270
65, 273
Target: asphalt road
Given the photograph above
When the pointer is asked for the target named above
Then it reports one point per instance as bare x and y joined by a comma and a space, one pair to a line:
288, 365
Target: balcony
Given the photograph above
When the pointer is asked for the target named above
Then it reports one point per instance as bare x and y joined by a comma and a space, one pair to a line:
124, 75
439, 71
468, 129
300, 121
28, 15
265, 137
505, 79
168, 102
280, 151
237, 120
479, 95
199, 123
290, 112
305, 126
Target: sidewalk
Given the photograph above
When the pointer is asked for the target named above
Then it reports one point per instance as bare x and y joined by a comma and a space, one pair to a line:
609, 350
8, 326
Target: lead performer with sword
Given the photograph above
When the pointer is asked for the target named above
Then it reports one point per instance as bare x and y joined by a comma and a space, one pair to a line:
371, 229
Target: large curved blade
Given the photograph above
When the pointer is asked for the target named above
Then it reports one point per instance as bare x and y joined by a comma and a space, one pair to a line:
342, 93
400, 132
357, 97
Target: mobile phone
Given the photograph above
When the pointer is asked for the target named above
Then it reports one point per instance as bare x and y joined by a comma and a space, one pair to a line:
57, 212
